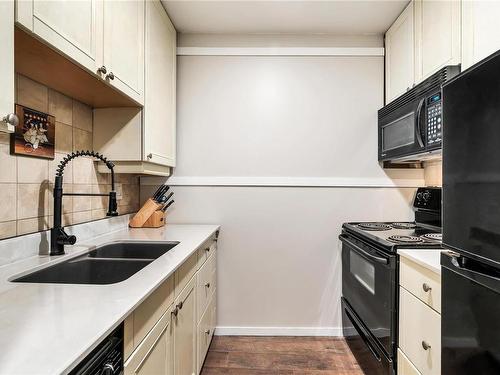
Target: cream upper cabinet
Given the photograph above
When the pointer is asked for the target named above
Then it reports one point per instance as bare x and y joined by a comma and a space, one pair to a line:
123, 46
7, 72
159, 108
480, 36
184, 331
72, 27
437, 31
400, 55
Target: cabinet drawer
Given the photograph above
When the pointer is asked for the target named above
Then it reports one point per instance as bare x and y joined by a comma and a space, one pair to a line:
206, 284
205, 331
205, 251
153, 355
418, 280
144, 317
405, 367
185, 272
419, 326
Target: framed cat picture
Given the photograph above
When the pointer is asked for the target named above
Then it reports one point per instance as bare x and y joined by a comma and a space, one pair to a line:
35, 135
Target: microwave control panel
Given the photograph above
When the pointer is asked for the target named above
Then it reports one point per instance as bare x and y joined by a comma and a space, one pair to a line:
434, 119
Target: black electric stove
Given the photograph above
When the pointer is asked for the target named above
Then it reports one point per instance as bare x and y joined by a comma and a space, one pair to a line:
370, 279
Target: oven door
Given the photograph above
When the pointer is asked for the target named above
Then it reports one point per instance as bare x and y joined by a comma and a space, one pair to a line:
402, 132
370, 357
369, 286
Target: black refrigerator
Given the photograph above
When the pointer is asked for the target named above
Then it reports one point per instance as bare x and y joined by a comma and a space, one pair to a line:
470, 317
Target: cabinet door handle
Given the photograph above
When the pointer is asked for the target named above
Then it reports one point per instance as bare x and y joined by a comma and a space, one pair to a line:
11, 119
179, 305
425, 345
207, 332
149, 156
426, 287
207, 285
175, 311
207, 249
110, 76
102, 70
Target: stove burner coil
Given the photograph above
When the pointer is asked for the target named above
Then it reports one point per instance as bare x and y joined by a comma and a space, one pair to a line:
404, 225
433, 236
374, 226
405, 239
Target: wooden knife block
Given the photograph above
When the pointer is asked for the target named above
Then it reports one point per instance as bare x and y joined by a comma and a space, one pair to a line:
156, 220
149, 216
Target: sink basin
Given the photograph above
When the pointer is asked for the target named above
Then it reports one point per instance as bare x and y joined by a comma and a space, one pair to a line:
108, 264
133, 250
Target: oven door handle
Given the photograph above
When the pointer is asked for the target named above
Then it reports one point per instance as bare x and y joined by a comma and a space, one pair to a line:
418, 122
361, 251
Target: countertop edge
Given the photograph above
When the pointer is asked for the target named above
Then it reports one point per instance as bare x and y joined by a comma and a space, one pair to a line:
416, 256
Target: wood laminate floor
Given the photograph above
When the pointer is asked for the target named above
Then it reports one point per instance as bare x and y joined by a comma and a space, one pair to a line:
244, 355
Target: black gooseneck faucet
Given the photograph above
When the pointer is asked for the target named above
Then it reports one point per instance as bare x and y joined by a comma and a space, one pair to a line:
58, 236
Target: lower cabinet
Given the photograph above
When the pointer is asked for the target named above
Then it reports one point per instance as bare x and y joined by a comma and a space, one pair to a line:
183, 323
153, 355
167, 336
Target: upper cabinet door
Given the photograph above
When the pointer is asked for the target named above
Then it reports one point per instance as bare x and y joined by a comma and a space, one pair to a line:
399, 55
123, 46
480, 36
437, 25
72, 27
159, 108
7, 70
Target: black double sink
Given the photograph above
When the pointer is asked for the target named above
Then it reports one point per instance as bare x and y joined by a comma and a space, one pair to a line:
107, 264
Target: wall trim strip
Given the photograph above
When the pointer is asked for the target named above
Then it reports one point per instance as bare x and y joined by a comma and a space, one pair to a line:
280, 51
279, 331
287, 181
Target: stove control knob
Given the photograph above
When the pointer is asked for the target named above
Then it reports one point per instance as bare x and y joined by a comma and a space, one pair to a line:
426, 196
419, 197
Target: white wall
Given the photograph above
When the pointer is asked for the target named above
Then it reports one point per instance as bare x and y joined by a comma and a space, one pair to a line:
268, 120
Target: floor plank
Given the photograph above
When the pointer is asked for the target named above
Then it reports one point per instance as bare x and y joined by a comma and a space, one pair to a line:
249, 355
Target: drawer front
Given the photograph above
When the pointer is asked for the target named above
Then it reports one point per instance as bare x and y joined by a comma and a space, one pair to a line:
205, 331
185, 272
205, 251
144, 317
419, 333
421, 282
205, 284
405, 367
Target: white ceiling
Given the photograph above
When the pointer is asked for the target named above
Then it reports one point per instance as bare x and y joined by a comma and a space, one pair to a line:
293, 17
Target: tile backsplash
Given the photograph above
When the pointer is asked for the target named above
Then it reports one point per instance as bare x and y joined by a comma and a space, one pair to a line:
26, 183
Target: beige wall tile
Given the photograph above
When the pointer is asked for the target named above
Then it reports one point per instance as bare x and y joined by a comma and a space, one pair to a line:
8, 171
100, 178
126, 178
99, 214
8, 229
68, 170
64, 137
32, 170
82, 140
122, 210
100, 202
33, 200
32, 94
82, 203
32, 225
61, 107
8, 210
130, 195
82, 217
82, 116
83, 170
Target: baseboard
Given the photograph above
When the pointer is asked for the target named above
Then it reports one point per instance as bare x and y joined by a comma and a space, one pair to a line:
279, 331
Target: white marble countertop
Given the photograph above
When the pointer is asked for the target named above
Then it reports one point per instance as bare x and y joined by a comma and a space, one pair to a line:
428, 258
50, 328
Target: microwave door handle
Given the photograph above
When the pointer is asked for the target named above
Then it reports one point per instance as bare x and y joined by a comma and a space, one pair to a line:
419, 122
363, 252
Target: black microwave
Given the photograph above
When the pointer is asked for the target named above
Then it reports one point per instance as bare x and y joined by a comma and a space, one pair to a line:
410, 127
